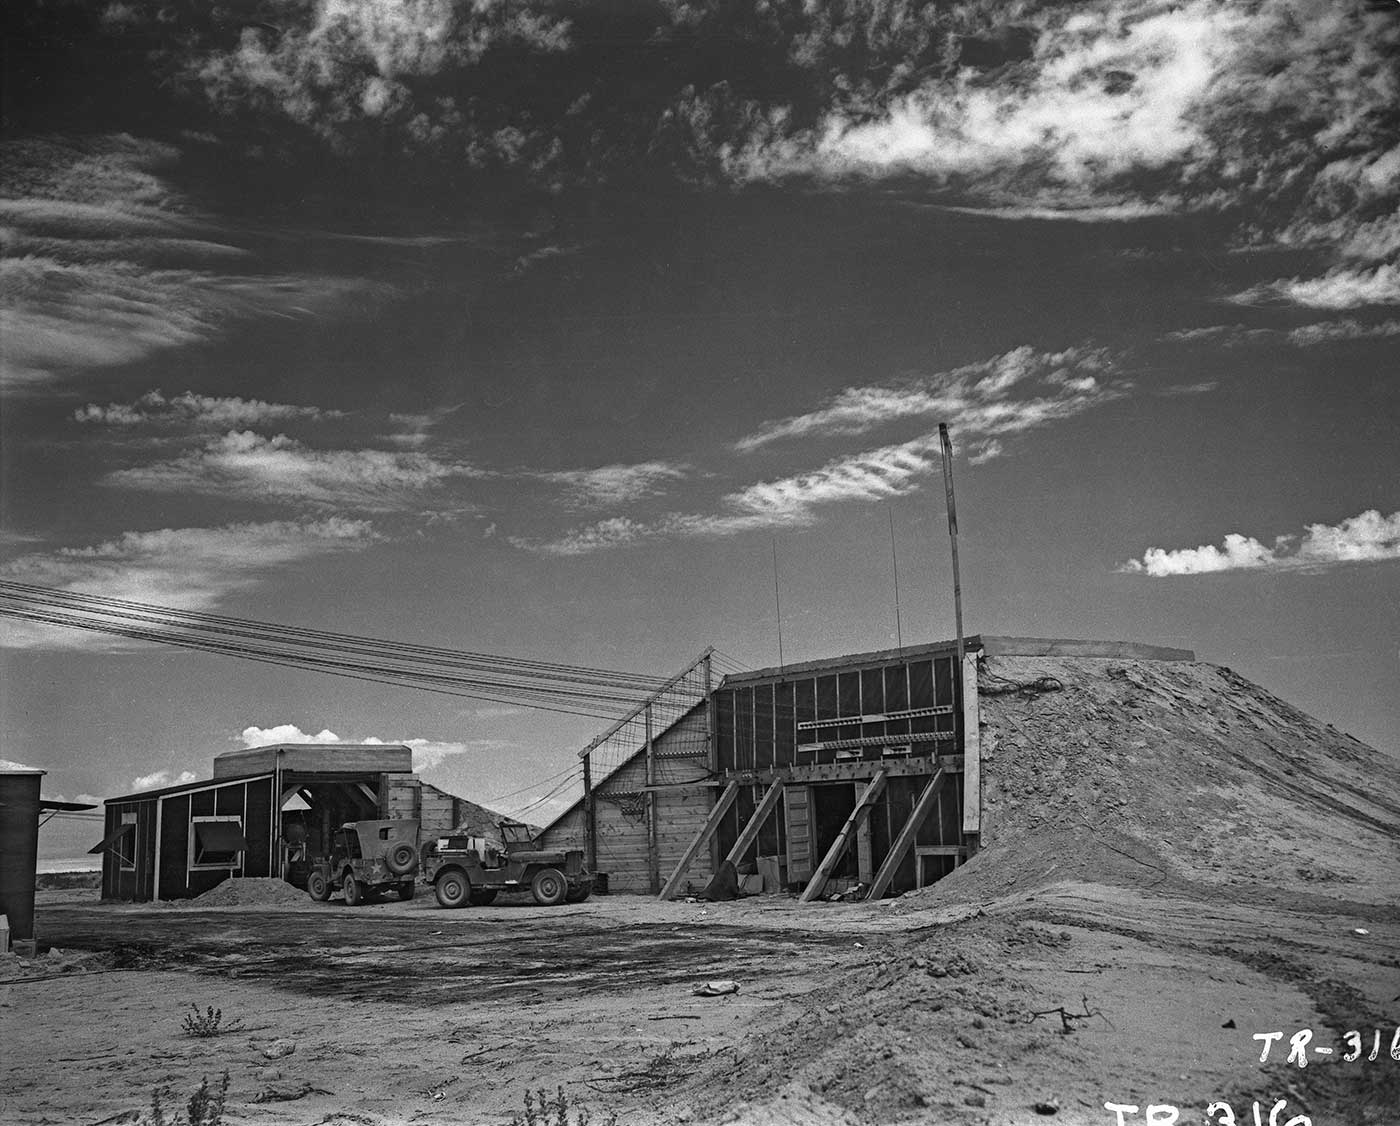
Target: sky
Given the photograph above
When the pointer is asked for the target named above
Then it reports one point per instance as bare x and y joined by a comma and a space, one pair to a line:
556, 330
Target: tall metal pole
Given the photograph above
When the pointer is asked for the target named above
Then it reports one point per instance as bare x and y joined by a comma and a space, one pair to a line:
952, 532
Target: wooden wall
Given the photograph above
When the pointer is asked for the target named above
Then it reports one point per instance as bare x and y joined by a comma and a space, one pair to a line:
681, 755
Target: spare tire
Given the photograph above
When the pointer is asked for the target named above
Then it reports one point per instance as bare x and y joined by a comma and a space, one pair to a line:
401, 858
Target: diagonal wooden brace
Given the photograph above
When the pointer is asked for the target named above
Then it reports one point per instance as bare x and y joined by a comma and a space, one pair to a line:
702, 838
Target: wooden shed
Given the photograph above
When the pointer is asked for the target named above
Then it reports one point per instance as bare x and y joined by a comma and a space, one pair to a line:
265, 812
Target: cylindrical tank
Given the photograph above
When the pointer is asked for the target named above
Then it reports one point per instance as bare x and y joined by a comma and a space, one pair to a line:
19, 845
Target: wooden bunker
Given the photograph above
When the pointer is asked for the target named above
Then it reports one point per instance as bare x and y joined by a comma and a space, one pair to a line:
859, 774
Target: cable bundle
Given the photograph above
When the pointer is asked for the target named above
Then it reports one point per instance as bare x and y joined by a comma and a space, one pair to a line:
572, 689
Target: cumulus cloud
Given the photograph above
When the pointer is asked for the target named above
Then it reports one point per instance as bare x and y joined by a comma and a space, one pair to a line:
202, 410
104, 264
1367, 538
185, 568
612, 485
242, 463
427, 753
1011, 393
159, 779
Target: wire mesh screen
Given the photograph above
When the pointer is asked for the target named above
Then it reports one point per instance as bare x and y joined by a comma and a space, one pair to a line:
676, 747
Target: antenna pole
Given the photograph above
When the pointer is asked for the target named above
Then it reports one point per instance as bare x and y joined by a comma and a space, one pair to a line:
777, 602
952, 532
894, 563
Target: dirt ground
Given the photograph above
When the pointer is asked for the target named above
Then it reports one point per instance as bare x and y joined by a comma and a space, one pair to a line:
1177, 862
846, 1013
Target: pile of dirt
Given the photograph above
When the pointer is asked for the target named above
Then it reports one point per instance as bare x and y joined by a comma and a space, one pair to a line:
249, 892
478, 821
1156, 773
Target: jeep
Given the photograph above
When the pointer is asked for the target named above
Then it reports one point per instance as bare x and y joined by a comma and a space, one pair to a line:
367, 858
466, 869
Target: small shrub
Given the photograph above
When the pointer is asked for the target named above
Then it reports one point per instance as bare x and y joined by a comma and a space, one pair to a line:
204, 1107
542, 1110
208, 1023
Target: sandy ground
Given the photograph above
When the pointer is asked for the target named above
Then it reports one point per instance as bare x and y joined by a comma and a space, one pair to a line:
1177, 862
904, 1011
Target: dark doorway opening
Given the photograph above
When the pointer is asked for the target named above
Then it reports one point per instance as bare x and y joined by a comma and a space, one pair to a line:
831, 807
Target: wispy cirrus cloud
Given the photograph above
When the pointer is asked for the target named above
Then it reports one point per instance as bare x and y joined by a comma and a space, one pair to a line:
427, 753
246, 464
199, 410
1342, 287
185, 568
1346, 329
1012, 393
784, 502
1101, 97
105, 264
1367, 538
610, 485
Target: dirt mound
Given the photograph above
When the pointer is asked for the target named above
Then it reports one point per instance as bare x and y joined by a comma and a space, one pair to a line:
250, 892
1164, 772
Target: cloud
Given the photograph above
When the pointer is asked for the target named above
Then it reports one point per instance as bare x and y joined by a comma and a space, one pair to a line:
1332, 332
1342, 287
612, 485
102, 266
785, 502
155, 407
1103, 95
242, 463
358, 65
427, 753
160, 779
1014, 392
1367, 538
1225, 336
185, 568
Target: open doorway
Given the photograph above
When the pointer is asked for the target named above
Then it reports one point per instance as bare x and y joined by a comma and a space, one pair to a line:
832, 804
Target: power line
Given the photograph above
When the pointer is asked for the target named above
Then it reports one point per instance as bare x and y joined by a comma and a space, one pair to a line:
546, 685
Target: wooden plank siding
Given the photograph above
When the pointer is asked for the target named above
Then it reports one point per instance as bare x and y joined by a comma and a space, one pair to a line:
681, 754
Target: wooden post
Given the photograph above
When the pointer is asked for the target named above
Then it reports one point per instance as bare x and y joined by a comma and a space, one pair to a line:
947, 444
843, 838
750, 832
972, 751
653, 855
590, 815
702, 838
900, 847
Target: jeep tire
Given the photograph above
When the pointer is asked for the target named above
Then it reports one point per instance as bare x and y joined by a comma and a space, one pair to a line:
405, 890
318, 886
453, 888
354, 894
401, 858
549, 887
580, 893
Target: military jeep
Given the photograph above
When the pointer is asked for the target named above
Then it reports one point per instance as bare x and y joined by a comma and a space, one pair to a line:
367, 858
468, 869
